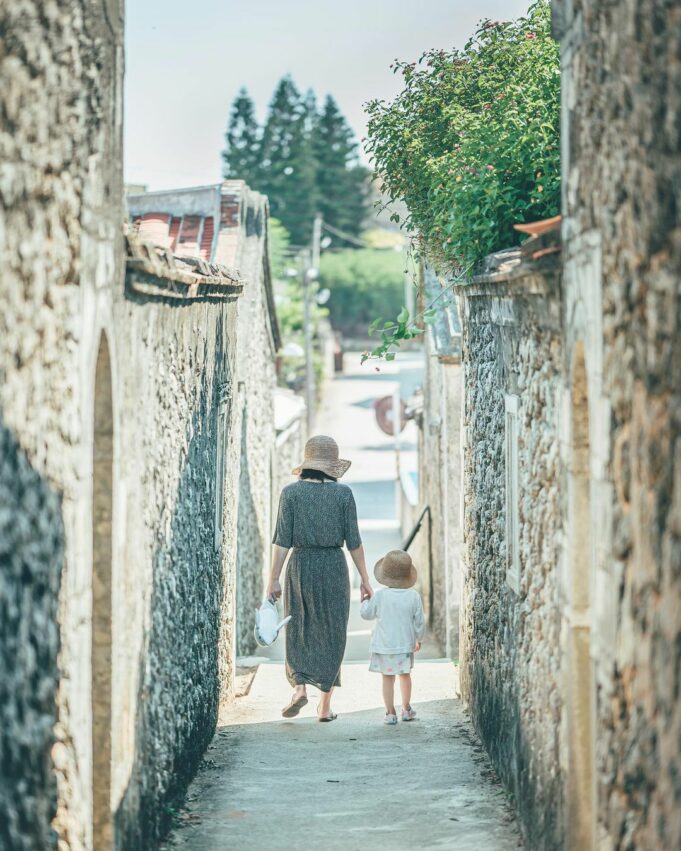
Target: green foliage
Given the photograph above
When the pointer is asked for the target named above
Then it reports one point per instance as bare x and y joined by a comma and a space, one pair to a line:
303, 159
341, 181
289, 289
471, 144
278, 240
363, 283
394, 331
241, 157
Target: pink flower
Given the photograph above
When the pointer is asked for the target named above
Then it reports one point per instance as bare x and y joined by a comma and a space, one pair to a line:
490, 168
530, 35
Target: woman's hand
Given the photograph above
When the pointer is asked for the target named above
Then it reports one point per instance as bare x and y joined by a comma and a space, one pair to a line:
274, 590
417, 647
366, 592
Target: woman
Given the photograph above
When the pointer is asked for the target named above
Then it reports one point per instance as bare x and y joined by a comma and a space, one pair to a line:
316, 516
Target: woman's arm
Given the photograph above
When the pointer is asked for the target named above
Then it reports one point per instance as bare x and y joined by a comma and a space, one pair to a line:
365, 590
278, 558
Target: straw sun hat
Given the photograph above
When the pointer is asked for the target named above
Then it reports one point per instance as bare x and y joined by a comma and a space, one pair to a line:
396, 570
321, 453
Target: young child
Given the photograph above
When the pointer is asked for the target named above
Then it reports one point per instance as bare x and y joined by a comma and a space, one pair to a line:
399, 630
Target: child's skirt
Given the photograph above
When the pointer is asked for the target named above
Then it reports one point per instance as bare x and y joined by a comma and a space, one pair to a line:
391, 663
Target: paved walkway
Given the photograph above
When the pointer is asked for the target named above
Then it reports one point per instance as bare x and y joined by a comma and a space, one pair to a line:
269, 784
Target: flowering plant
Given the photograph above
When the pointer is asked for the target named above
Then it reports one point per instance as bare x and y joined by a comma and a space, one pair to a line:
472, 144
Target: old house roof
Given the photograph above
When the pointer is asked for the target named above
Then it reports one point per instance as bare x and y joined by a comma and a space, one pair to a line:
219, 226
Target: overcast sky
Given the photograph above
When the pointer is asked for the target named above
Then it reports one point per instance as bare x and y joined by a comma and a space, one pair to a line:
185, 61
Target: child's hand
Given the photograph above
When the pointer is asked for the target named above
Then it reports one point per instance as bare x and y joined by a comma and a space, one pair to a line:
417, 647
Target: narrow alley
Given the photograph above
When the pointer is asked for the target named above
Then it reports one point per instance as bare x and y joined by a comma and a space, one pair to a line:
268, 783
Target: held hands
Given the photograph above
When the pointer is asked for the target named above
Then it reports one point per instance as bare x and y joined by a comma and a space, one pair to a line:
365, 591
417, 647
273, 590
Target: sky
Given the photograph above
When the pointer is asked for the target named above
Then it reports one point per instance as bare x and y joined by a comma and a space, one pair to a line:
185, 62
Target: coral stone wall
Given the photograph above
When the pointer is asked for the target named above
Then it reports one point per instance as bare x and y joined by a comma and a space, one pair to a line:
256, 353
31, 562
440, 488
510, 640
60, 247
175, 569
622, 170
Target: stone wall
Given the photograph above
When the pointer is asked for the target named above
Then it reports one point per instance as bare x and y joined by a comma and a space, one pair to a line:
31, 562
174, 567
258, 345
622, 247
123, 410
60, 249
510, 630
437, 547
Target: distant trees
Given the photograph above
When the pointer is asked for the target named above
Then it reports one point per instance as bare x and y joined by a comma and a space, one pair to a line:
341, 181
304, 159
242, 151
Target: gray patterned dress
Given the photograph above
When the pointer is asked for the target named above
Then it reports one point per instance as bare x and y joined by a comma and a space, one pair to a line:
315, 519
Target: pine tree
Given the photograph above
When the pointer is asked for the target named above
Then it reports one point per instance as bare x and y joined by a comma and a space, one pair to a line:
342, 183
288, 165
241, 157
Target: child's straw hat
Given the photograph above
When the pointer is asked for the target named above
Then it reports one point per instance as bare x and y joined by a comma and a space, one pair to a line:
321, 453
396, 570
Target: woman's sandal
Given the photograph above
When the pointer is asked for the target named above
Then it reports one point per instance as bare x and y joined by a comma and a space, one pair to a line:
325, 718
294, 707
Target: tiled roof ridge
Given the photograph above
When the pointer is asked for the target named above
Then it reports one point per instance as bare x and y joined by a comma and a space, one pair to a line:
536, 254
154, 270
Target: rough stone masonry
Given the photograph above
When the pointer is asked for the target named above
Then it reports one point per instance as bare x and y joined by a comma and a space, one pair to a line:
126, 417
571, 628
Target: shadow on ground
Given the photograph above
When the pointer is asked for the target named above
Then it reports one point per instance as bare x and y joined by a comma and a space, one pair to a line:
354, 784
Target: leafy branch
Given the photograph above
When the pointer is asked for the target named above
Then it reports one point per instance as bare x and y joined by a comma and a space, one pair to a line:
395, 331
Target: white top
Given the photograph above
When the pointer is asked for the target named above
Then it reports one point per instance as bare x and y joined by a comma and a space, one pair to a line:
401, 622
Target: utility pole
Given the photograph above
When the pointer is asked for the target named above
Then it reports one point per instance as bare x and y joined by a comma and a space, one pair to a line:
316, 240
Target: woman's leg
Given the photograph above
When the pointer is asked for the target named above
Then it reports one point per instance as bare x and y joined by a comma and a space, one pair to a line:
325, 703
405, 690
389, 693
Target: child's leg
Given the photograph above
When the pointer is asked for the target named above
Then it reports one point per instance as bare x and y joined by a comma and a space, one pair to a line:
405, 690
389, 693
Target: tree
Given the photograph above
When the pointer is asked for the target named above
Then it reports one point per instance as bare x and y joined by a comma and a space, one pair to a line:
364, 283
341, 181
241, 157
287, 163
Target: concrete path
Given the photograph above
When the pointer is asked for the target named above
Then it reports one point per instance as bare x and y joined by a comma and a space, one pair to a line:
269, 784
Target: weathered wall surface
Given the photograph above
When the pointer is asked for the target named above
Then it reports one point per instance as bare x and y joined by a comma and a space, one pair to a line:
510, 637
60, 212
256, 354
440, 468
175, 567
622, 246
31, 561
151, 569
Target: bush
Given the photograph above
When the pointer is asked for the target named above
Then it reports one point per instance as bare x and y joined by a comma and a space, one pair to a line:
364, 283
471, 144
